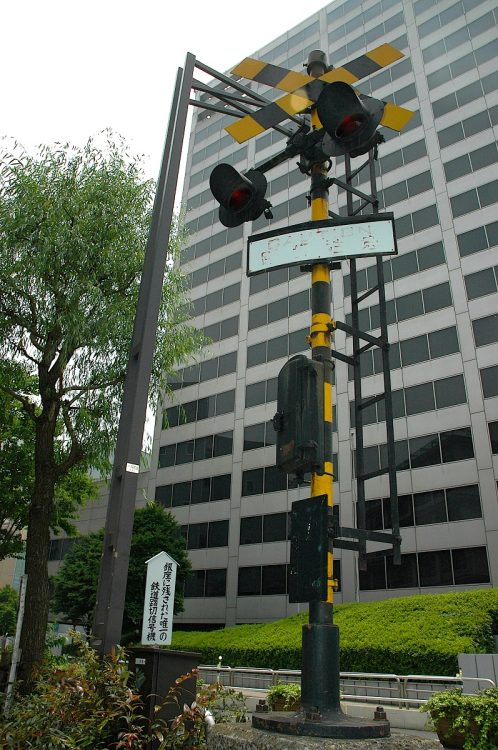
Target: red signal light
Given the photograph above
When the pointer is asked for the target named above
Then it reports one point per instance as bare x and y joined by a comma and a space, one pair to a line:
239, 198
349, 125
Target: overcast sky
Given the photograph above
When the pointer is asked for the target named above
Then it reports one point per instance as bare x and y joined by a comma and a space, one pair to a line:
71, 68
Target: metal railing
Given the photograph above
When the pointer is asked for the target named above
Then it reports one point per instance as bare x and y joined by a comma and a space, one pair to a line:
403, 691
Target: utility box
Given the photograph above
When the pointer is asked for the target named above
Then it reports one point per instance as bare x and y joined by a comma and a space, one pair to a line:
299, 421
156, 671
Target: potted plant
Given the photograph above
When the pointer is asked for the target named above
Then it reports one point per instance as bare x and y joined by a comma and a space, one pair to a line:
465, 721
284, 696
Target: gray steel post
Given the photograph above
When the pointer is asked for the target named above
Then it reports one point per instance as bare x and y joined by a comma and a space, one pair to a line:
108, 617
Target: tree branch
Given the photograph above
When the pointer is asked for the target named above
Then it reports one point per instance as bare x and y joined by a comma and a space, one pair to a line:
76, 452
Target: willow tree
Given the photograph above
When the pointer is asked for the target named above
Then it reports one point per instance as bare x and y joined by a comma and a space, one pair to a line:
73, 230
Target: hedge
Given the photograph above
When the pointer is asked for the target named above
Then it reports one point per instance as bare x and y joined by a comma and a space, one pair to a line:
411, 635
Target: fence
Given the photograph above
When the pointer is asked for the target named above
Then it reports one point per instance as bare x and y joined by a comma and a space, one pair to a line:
403, 691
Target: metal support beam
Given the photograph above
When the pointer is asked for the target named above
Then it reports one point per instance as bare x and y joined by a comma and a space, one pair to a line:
109, 608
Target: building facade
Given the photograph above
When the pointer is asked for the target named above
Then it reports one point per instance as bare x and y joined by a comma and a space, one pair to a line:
213, 460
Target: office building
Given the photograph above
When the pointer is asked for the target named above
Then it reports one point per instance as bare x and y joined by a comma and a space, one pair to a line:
213, 457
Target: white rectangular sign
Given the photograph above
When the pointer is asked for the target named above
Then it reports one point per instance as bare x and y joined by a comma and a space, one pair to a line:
157, 626
321, 241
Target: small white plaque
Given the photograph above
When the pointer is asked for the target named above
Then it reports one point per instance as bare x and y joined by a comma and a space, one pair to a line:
133, 468
157, 625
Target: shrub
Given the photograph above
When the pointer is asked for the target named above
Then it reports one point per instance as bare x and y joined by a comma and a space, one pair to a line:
286, 693
410, 635
88, 704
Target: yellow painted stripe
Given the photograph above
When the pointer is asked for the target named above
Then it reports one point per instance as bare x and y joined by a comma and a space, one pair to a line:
327, 402
293, 81
244, 129
321, 317
320, 272
384, 55
339, 74
329, 468
249, 67
395, 117
293, 103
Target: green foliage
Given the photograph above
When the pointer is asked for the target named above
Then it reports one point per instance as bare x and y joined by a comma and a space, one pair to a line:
288, 693
410, 635
473, 716
8, 610
75, 585
88, 704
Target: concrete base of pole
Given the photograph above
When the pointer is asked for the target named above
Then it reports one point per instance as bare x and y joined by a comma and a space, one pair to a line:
245, 737
333, 724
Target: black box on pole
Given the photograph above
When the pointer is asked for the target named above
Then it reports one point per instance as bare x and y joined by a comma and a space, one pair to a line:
308, 550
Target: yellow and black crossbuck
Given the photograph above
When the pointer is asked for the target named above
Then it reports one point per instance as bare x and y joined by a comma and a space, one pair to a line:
303, 90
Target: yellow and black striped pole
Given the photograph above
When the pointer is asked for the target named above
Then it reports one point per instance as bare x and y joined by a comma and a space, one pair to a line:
320, 653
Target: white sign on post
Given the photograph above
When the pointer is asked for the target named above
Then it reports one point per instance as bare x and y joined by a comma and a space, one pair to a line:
157, 627
321, 241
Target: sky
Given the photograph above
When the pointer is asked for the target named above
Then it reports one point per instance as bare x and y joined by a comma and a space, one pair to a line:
72, 68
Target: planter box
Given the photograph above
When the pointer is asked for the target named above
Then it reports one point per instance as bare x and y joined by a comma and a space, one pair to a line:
281, 705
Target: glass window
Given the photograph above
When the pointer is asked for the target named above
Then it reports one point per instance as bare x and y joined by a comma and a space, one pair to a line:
480, 283
256, 354
274, 580
374, 577
227, 363
405, 511
486, 330
258, 283
402, 576
218, 534
484, 156
419, 398
493, 436
163, 495
220, 487
191, 375
249, 581
299, 302
419, 183
216, 269
255, 393
197, 536
430, 256
279, 276
450, 391
424, 218
472, 241
171, 417
470, 565
414, 350
212, 332
214, 300
194, 584
258, 317
457, 167
181, 494
200, 491
463, 502
443, 342
464, 203
203, 448
277, 348
251, 531
223, 443
231, 294
271, 389
373, 514
278, 310
456, 445
424, 451
275, 527
216, 582
209, 369
188, 412
252, 482
254, 436
489, 380
229, 327
450, 135
225, 402
429, 507
404, 265
435, 568
167, 456
409, 306
275, 479
298, 341
437, 297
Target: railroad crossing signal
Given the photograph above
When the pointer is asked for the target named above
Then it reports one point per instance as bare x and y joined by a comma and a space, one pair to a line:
241, 196
305, 91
